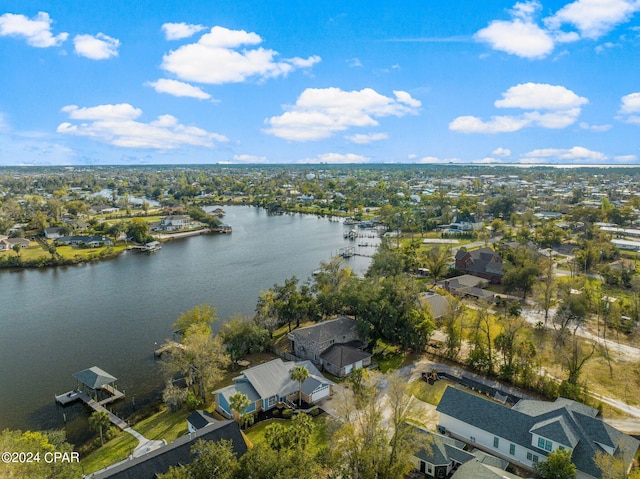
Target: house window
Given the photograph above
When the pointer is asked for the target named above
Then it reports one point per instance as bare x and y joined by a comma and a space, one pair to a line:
272, 402
535, 458
529, 456
430, 469
472, 439
548, 445
512, 449
541, 443
496, 442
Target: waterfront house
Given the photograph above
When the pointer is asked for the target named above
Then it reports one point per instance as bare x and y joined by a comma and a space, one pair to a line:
175, 223
440, 454
525, 434
318, 344
270, 384
7, 244
93, 241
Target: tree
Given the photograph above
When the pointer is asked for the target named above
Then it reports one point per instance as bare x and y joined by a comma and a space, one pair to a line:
366, 446
243, 336
98, 422
386, 262
437, 262
557, 466
238, 403
520, 277
138, 230
613, 466
38, 442
201, 315
299, 374
201, 361
546, 289
329, 284
211, 459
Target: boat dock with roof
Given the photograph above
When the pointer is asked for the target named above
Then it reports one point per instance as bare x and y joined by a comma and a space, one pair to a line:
96, 389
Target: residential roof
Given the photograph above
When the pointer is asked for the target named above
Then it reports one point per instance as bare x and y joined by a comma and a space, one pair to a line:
438, 303
464, 281
477, 470
177, 453
273, 378
327, 330
565, 421
439, 450
342, 355
94, 377
199, 419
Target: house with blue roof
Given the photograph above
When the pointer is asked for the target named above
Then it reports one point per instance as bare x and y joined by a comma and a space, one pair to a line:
526, 433
270, 384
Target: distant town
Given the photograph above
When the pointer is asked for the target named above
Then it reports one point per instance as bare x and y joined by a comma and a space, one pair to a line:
495, 333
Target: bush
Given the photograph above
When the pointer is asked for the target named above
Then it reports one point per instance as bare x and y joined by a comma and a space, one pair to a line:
314, 412
276, 413
287, 413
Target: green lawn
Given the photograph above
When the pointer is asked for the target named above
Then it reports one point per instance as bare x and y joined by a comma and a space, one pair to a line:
319, 437
165, 425
429, 394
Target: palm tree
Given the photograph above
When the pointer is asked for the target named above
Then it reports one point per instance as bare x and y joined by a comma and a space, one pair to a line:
238, 403
98, 421
437, 262
300, 374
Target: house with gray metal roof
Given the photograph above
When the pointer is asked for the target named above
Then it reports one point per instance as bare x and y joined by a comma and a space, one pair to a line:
269, 384
528, 432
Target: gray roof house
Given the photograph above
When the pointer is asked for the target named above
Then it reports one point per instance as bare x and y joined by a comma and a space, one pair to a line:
526, 433
317, 343
268, 384
440, 454
439, 304
484, 263
476, 469
177, 453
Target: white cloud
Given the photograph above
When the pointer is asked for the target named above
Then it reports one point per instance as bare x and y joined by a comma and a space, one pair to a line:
366, 138
98, 47
501, 152
525, 37
594, 18
594, 128
177, 31
320, 112
249, 159
225, 56
605, 46
117, 125
497, 124
520, 36
540, 96
577, 153
337, 158
630, 108
625, 159
552, 106
36, 31
178, 88
354, 62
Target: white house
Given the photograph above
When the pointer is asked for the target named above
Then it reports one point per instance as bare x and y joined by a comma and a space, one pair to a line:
526, 433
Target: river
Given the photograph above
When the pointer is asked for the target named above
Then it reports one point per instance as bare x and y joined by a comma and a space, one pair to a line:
111, 314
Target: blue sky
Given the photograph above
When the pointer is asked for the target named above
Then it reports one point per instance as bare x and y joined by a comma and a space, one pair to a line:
429, 81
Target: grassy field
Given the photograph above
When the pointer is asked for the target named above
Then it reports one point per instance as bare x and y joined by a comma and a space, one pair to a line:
319, 437
429, 394
166, 424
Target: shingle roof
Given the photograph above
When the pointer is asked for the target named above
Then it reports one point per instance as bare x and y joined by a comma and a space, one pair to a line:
562, 418
438, 304
200, 419
327, 330
477, 470
439, 450
178, 452
342, 355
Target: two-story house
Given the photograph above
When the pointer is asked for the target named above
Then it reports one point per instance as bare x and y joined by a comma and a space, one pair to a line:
526, 433
335, 345
483, 263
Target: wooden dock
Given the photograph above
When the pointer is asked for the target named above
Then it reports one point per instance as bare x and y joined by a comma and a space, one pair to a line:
167, 347
77, 395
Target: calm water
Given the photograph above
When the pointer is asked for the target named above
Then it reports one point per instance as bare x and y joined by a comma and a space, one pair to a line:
54, 322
